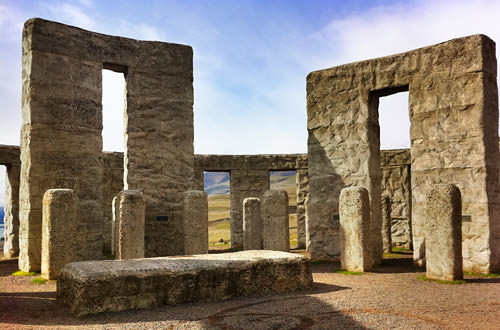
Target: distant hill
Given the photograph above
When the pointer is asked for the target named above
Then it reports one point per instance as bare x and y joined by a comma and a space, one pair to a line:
217, 183
1, 214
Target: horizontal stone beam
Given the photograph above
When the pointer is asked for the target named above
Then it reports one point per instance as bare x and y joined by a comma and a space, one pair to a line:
91, 287
254, 162
9, 154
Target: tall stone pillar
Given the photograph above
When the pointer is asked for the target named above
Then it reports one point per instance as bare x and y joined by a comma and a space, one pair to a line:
130, 227
11, 217
59, 231
302, 181
443, 233
252, 224
244, 184
195, 222
355, 247
386, 224
274, 213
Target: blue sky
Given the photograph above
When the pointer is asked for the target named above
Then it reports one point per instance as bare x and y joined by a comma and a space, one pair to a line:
251, 58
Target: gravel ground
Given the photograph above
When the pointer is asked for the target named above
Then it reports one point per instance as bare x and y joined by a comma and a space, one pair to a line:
391, 297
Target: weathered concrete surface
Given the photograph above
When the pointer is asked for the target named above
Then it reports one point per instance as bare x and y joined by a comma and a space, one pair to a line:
252, 224
275, 223
195, 222
396, 183
112, 184
302, 179
355, 230
443, 233
59, 227
244, 184
62, 123
10, 157
98, 286
130, 226
386, 224
453, 108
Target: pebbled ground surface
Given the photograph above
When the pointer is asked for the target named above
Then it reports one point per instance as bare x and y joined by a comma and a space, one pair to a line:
390, 297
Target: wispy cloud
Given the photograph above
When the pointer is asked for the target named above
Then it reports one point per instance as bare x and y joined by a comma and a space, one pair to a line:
71, 14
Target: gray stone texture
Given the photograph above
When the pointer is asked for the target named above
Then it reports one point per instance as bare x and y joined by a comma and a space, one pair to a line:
59, 230
453, 108
10, 157
396, 183
92, 287
443, 233
302, 179
355, 230
252, 224
112, 184
129, 234
61, 143
386, 224
275, 223
195, 222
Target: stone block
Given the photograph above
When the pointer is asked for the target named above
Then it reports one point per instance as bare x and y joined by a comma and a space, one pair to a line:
195, 222
130, 227
386, 224
355, 247
11, 209
252, 224
59, 231
443, 233
275, 223
92, 287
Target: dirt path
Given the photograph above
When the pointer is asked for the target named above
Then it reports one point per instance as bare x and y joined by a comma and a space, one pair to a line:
390, 298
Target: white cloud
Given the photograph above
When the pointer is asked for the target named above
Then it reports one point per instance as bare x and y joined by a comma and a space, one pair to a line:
72, 15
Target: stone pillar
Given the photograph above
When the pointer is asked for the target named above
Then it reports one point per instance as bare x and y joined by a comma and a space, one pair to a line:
443, 233
115, 206
112, 184
302, 181
199, 183
355, 247
130, 230
59, 231
195, 222
386, 224
252, 224
275, 223
11, 217
244, 184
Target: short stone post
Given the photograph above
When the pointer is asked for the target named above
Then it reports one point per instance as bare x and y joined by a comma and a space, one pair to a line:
252, 224
59, 231
129, 230
274, 213
354, 211
195, 221
386, 224
443, 233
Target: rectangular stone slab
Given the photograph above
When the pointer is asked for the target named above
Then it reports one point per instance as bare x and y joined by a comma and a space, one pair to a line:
91, 287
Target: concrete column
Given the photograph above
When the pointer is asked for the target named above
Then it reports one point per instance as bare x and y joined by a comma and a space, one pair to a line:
386, 224
11, 217
274, 212
195, 222
302, 181
59, 230
130, 230
355, 248
443, 233
244, 184
252, 224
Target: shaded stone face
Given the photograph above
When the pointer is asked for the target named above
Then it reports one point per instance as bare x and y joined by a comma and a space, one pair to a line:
195, 222
453, 108
131, 210
61, 145
274, 213
386, 224
355, 247
252, 224
59, 230
443, 233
